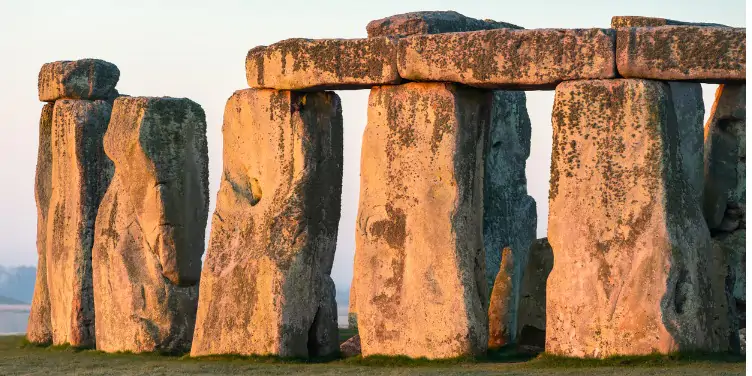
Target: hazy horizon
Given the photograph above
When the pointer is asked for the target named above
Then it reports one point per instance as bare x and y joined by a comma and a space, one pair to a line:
197, 49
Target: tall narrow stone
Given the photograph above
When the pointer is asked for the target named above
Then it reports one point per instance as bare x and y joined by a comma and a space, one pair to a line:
500, 319
81, 173
689, 110
150, 226
630, 244
39, 329
352, 310
266, 285
531, 322
419, 262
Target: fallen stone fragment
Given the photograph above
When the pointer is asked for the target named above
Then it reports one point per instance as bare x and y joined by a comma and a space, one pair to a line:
535, 59
81, 173
351, 347
419, 262
501, 319
725, 159
699, 53
639, 21
531, 322
323, 64
39, 330
509, 213
431, 22
150, 226
266, 285
629, 273
81, 79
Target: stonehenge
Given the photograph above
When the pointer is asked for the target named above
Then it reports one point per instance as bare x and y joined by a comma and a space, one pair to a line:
646, 225
149, 234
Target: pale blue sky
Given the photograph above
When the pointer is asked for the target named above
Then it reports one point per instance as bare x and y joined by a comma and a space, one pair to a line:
196, 49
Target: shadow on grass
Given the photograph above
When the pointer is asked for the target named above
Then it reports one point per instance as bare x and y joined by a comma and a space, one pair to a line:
507, 354
652, 360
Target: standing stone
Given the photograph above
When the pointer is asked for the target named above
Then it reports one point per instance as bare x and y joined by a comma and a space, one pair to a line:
725, 160
150, 226
509, 213
266, 285
419, 261
630, 247
81, 173
352, 310
80, 79
689, 110
728, 276
431, 22
39, 329
500, 319
531, 322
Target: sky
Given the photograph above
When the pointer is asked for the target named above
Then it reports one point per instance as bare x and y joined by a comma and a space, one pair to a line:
197, 49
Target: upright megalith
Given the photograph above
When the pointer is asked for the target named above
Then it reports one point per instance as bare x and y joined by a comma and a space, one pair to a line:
419, 260
628, 276
79, 79
39, 329
265, 286
150, 227
531, 316
81, 173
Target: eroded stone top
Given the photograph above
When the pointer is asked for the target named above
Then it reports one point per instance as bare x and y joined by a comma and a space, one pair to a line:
430, 22
81, 79
640, 21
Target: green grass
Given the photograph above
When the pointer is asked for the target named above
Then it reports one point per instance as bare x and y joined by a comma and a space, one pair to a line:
18, 357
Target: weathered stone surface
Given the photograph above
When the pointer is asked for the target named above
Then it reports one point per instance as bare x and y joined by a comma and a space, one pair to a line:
629, 272
639, 21
81, 173
728, 276
352, 310
150, 227
707, 54
531, 322
431, 22
689, 110
509, 213
725, 160
506, 58
501, 319
80, 79
319, 64
265, 286
39, 328
351, 347
419, 262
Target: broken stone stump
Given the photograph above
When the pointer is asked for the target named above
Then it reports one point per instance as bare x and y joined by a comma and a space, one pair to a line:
535, 59
509, 213
351, 347
531, 316
629, 272
150, 226
265, 285
319, 64
39, 329
500, 317
81, 173
725, 160
419, 263
431, 22
81, 79
672, 53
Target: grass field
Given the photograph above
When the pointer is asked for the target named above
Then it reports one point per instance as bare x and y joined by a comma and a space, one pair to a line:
18, 358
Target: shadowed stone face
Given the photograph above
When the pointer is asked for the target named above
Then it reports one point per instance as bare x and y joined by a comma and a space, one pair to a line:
433, 22
708, 54
531, 323
419, 262
506, 58
81, 173
39, 328
266, 285
629, 271
150, 226
80, 79
319, 64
